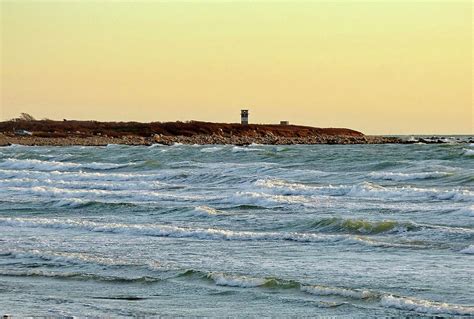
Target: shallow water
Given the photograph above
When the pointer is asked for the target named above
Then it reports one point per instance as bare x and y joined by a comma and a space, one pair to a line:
365, 230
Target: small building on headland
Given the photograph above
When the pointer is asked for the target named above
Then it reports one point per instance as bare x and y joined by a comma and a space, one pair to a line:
244, 117
284, 122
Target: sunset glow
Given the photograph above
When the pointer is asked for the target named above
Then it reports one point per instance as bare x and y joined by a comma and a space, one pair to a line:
384, 67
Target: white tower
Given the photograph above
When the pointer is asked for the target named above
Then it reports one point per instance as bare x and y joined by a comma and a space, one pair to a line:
244, 117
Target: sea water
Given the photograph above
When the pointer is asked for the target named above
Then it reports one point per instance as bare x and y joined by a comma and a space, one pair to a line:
187, 230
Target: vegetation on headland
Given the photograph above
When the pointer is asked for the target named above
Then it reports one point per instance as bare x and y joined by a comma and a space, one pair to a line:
49, 128
72, 132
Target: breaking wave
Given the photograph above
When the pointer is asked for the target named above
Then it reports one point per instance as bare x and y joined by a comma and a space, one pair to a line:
299, 225
100, 195
78, 276
12, 163
407, 176
360, 226
81, 185
244, 281
425, 306
62, 257
212, 149
386, 300
166, 231
364, 190
336, 291
83, 176
468, 152
468, 250
206, 211
222, 279
198, 233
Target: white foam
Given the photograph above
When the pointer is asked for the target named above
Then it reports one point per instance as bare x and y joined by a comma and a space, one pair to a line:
156, 145
266, 200
211, 149
468, 250
425, 306
206, 211
67, 257
12, 163
281, 187
189, 232
78, 184
117, 196
70, 202
363, 190
168, 231
245, 149
343, 292
468, 152
395, 176
84, 176
376, 191
15, 146
222, 279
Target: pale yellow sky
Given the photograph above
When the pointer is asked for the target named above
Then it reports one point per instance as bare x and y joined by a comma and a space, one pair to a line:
381, 67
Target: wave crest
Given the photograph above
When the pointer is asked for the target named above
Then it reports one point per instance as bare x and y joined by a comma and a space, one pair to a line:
399, 177
425, 306
12, 163
361, 226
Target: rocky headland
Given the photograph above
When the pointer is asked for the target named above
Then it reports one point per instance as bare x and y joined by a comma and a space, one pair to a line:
93, 133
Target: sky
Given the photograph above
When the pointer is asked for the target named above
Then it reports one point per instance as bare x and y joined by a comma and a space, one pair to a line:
380, 67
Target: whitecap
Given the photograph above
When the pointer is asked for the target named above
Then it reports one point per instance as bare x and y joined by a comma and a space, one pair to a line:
190, 232
117, 196
155, 145
211, 149
82, 185
222, 279
395, 176
468, 250
371, 190
468, 152
343, 292
281, 187
166, 230
245, 149
364, 190
206, 211
66, 257
266, 200
425, 306
12, 163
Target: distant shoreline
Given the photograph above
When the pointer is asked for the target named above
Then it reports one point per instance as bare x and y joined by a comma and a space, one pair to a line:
190, 140
93, 133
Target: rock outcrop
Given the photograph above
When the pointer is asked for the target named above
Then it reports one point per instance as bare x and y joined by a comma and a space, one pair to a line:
196, 139
65, 133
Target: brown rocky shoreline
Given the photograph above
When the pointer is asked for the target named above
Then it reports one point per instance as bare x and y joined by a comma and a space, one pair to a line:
196, 139
94, 133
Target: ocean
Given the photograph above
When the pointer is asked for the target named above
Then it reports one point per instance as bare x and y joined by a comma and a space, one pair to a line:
359, 231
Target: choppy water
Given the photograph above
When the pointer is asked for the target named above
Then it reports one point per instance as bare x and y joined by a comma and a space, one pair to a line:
362, 230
